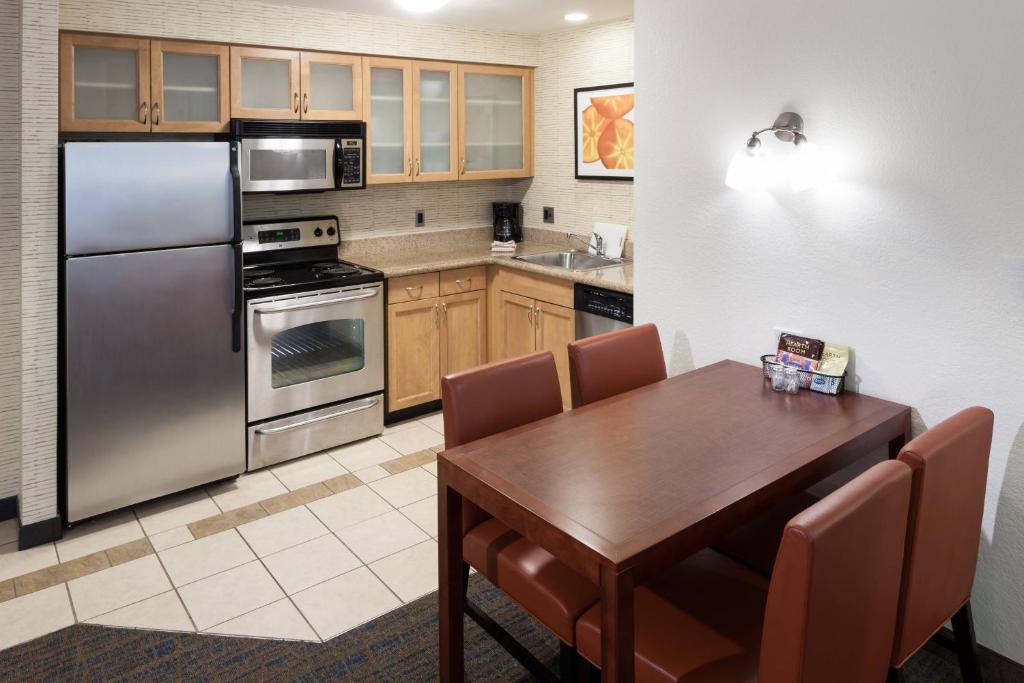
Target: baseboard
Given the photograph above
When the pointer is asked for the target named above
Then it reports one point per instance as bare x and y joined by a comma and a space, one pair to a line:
8, 508
409, 413
1007, 668
38, 533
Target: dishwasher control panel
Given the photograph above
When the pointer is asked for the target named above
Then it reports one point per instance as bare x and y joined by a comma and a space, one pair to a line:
604, 303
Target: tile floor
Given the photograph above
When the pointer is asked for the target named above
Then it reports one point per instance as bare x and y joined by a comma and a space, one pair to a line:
310, 572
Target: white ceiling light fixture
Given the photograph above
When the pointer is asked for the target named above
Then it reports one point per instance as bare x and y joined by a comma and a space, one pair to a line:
421, 6
577, 16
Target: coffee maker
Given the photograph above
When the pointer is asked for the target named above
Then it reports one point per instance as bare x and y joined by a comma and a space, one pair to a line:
508, 221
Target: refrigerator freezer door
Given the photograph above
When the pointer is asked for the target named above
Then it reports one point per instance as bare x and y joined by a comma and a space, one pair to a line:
132, 196
155, 394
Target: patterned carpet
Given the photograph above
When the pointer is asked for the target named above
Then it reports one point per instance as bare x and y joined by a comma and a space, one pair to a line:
400, 646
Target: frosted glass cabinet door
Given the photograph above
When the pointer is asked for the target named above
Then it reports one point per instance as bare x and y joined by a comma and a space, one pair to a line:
435, 113
190, 87
264, 83
104, 83
332, 87
496, 116
388, 108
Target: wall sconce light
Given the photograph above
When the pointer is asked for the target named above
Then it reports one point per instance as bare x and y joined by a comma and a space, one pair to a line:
753, 169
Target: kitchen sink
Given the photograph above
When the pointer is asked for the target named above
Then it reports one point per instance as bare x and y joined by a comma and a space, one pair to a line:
571, 260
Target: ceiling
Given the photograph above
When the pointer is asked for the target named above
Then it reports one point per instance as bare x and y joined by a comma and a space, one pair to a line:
522, 16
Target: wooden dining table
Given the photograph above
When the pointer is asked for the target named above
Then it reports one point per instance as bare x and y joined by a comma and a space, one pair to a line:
622, 489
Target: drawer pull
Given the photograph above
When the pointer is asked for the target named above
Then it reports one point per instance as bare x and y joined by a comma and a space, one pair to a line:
419, 291
464, 283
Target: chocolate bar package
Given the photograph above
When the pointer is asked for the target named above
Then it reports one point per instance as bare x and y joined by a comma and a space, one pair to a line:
799, 352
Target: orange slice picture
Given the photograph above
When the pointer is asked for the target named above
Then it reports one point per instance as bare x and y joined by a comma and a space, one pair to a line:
615, 147
613, 106
593, 125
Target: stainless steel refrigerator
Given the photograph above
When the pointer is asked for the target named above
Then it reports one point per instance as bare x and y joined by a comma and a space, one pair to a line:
153, 372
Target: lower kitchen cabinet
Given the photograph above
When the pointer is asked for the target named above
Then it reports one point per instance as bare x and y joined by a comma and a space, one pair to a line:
414, 353
432, 336
556, 329
516, 328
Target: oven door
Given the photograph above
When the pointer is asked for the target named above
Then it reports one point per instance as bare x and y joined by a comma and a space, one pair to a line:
308, 350
287, 164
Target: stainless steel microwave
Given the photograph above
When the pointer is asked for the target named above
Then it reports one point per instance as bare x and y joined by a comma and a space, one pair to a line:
300, 156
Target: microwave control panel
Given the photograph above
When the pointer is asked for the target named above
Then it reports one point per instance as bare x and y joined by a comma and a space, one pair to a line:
290, 234
350, 162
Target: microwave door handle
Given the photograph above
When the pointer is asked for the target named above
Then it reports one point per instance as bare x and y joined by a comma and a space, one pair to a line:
338, 175
369, 294
304, 423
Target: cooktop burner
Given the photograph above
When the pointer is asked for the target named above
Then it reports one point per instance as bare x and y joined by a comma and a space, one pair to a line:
258, 272
265, 282
328, 269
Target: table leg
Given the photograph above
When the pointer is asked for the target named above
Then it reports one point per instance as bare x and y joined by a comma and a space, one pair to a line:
451, 593
896, 444
616, 626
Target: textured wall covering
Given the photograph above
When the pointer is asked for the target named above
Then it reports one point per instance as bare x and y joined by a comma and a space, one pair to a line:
580, 58
915, 257
38, 497
10, 255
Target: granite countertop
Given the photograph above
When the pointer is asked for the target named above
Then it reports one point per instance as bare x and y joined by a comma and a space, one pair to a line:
400, 255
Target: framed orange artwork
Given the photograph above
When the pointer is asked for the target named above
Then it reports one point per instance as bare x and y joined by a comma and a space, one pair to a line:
604, 132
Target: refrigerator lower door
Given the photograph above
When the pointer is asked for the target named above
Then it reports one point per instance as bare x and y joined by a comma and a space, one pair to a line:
134, 196
155, 393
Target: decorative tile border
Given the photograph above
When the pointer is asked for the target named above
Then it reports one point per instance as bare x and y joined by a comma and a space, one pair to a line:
126, 552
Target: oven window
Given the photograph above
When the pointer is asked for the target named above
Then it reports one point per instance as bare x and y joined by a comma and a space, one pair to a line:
287, 164
317, 351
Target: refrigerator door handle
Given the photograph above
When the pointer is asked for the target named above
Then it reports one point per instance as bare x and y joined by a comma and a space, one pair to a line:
236, 193
237, 305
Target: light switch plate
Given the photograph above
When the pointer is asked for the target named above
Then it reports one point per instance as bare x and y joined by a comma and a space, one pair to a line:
549, 214
421, 218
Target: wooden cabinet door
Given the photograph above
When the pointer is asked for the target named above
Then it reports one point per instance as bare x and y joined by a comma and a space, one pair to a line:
435, 119
495, 122
387, 106
191, 88
332, 87
516, 317
414, 340
264, 83
464, 331
104, 83
556, 328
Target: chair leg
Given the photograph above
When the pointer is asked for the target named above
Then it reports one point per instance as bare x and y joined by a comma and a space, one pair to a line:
465, 580
568, 663
895, 675
966, 644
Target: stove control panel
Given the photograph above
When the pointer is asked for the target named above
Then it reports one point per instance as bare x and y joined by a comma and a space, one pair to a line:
290, 234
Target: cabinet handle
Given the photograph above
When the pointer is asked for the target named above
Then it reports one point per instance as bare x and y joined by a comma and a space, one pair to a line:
462, 168
296, 103
444, 310
410, 167
468, 282
437, 321
419, 290
305, 103
144, 112
156, 113
536, 316
418, 167
529, 314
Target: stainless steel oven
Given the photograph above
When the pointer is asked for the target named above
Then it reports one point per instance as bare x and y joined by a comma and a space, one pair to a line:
321, 350
300, 156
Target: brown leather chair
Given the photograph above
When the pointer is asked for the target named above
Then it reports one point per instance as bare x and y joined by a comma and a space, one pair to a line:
615, 362
483, 401
827, 615
950, 467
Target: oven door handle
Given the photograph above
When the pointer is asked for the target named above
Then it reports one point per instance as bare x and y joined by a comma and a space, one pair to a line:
287, 428
368, 294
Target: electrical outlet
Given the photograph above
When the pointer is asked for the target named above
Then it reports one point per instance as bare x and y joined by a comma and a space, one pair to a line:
549, 214
421, 218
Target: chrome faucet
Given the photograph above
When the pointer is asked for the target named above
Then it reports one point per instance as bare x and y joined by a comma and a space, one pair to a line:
598, 244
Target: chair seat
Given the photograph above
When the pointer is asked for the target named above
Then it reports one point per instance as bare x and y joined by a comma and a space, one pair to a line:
700, 622
756, 543
531, 576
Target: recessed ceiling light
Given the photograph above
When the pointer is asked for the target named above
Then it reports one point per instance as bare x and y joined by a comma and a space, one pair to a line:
577, 16
421, 5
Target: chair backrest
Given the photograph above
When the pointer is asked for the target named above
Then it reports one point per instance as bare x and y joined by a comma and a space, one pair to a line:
950, 468
615, 362
495, 397
831, 610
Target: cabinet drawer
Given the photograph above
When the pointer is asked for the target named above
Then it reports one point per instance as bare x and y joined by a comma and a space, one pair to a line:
463, 280
412, 288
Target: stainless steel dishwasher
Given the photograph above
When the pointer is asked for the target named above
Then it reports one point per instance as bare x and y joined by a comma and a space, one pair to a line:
601, 310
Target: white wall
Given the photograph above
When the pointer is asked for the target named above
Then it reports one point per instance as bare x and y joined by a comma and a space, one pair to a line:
915, 258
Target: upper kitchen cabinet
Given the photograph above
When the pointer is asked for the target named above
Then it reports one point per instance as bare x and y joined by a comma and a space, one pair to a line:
104, 83
435, 120
332, 87
190, 87
387, 105
495, 122
265, 83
